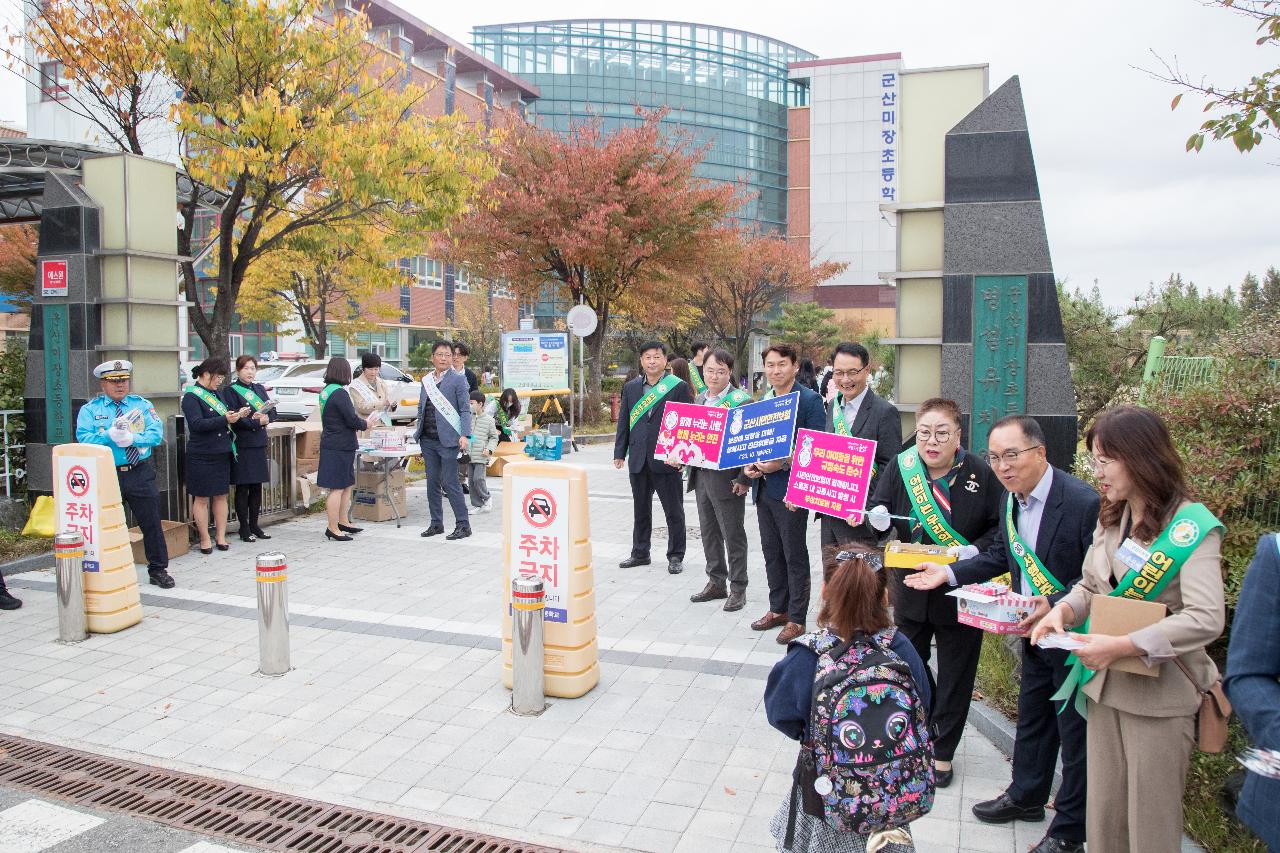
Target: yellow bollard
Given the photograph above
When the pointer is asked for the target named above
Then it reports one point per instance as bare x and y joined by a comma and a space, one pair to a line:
546, 533
87, 501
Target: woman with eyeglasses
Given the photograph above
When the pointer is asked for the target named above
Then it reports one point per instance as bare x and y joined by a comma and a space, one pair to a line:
940, 495
855, 610
1152, 544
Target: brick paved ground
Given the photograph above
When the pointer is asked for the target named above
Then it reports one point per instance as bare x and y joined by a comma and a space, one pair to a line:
396, 705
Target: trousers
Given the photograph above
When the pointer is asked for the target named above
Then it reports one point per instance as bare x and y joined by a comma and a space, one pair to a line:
958, 649
1137, 771
786, 556
479, 486
1042, 731
724, 534
667, 486
442, 467
139, 493
248, 506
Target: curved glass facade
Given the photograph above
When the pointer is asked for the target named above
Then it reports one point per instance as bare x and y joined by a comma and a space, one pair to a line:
728, 88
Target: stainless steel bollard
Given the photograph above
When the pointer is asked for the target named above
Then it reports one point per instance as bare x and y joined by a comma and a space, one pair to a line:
527, 676
273, 615
68, 558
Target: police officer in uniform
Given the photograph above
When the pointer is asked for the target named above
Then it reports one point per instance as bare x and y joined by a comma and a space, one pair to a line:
129, 425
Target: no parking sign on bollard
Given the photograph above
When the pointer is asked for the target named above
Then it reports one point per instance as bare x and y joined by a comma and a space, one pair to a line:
547, 535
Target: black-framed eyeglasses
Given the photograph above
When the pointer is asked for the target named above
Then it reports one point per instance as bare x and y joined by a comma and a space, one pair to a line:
1009, 457
871, 558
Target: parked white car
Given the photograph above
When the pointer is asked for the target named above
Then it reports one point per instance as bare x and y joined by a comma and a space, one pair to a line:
297, 385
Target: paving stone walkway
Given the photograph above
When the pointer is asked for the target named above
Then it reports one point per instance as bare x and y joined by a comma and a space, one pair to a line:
395, 703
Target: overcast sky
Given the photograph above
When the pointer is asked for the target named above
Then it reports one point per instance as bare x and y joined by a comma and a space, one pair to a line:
1125, 205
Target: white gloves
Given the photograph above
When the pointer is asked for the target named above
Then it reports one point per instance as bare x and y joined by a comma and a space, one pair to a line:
878, 518
963, 552
122, 437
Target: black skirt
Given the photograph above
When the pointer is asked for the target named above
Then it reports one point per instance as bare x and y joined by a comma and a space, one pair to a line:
208, 476
337, 469
250, 467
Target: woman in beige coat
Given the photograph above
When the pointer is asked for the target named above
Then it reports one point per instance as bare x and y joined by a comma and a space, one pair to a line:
1142, 727
368, 392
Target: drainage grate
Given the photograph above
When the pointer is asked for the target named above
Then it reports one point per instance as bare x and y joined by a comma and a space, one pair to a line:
239, 813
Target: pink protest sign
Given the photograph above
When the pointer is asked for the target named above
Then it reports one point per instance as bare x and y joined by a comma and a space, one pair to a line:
691, 435
830, 473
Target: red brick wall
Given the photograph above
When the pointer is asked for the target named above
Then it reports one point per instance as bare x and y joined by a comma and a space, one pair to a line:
798, 175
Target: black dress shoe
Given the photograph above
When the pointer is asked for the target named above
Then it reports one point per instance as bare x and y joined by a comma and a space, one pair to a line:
329, 534
462, 531
346, 529
710, 592
257, 531
161, 578
1004, 810
433, 530
675, 566
942, 778
632, 562
246, 536
8, 602
1058, 845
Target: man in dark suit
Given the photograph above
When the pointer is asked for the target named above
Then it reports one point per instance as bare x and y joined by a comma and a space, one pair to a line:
721, 510
854, 409
782, 529
639, 422
1053, 517
444, 428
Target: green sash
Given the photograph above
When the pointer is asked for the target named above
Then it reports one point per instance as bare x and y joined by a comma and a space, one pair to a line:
326, 393
1034, 574
922, 504
1172, 548
651, 398
842, 428
734, 398
211, 400
249, 396
696, 380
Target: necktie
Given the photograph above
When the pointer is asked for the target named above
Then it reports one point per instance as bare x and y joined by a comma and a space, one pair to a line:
131, 454
941, 489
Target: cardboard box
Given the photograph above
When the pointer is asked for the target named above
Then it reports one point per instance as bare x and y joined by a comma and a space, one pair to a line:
306, 440
177, 537
302, 467
374, 506
906, 555
505, 451
1117, 616
992, 607
371, 481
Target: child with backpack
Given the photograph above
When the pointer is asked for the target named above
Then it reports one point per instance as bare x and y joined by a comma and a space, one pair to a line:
856, 695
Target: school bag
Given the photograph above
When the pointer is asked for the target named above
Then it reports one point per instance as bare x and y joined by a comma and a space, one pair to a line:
868, 762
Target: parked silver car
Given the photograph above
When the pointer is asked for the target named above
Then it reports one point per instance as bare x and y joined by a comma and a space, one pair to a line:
297, 385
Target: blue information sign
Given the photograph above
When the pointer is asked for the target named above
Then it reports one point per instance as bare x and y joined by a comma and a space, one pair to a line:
760, 432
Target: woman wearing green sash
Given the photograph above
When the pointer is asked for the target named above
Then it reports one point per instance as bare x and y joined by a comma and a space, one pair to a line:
209, 420
249, 470
1152, 544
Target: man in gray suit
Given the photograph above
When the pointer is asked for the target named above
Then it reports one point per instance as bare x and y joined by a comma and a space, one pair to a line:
854, 409
444, 426
721, 507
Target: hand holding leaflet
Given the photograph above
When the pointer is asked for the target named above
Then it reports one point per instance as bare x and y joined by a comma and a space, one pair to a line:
1064, 641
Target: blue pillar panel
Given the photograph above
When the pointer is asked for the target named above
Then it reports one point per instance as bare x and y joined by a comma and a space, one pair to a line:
999, 352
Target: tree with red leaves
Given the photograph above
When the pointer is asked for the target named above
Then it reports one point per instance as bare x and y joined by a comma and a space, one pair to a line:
18, 262
614, 219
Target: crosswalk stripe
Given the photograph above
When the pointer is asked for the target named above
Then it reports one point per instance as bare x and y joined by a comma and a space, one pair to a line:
34, 825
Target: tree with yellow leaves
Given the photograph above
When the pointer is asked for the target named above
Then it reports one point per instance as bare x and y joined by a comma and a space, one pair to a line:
287, 118
341, 279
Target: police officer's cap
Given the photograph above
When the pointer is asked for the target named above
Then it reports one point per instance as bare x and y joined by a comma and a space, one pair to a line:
114, 370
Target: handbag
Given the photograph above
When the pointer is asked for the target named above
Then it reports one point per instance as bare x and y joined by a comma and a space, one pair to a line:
1211, 719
